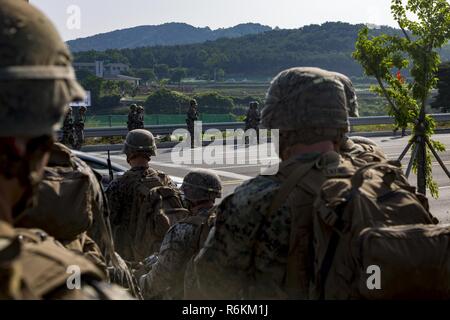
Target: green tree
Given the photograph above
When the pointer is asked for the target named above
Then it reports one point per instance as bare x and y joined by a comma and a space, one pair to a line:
162, 71
164, 101
95, 86
220, 74
442, 101
146, 74
177, 74
385, 57
213, 102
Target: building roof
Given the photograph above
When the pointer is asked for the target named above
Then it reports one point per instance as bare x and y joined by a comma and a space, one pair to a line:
120, 77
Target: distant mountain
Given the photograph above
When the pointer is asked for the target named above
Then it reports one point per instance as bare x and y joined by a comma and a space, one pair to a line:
262, 55
161, 35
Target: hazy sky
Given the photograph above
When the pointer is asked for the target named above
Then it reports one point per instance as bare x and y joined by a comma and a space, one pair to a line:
99, 16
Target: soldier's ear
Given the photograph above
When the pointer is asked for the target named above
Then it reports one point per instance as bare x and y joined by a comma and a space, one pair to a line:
17, 145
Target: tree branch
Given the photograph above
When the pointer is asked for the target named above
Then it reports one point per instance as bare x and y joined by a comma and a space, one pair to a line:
404, 32
388, 98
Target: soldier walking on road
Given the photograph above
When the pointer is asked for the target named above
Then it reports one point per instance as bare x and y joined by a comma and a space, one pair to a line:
184, 240
79, 127
192, 116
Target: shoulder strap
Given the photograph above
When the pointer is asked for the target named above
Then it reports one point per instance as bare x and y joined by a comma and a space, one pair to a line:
288, 186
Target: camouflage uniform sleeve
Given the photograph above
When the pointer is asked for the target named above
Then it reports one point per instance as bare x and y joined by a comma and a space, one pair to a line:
113, 193
168, 272
224, 265
92, 251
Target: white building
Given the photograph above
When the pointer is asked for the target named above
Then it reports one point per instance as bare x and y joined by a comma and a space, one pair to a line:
101, 69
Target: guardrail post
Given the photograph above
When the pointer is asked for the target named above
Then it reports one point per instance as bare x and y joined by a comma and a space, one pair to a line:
110, 121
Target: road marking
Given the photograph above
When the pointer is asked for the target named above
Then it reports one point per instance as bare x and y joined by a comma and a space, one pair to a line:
218, 172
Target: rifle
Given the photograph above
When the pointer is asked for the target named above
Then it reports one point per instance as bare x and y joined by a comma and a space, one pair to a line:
111, 173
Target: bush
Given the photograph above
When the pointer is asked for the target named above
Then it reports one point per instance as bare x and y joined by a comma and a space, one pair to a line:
165, 101
213, 102
109, 101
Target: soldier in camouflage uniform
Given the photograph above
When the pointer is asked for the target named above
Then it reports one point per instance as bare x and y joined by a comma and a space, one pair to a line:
184, 239
68, 129
140, 117
252, 118
357, 147
131, 123
192, 116
37, 82
260, 246
79, 127
141, 201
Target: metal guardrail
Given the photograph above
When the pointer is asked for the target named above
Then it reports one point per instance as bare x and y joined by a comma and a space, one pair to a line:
222, 126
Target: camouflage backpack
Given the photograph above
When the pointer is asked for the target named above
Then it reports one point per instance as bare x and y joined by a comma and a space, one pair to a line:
156, 207
64, 178
374, 224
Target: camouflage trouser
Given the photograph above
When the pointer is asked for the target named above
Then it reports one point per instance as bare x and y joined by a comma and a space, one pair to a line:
67, 138
191, 133
79, 139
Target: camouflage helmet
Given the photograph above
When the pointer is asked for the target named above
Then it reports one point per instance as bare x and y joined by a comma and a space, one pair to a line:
140, 109
193, 102
201, 185
254, 104
140, 141
350, 93
133, 107
69, 110
35, 60
83, 109
309, 102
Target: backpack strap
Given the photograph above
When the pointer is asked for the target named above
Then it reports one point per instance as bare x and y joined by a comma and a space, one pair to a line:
203, 223
288, 186
280, 198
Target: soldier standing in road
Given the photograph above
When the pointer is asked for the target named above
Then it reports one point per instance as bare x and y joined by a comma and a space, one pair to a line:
252, 119
35, 67
183, 240
144, 202
79, 127
192, 116
140, 117
132, 117
68, 129
249, 252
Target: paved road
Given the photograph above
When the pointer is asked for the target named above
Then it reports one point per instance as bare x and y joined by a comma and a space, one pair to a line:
224, 161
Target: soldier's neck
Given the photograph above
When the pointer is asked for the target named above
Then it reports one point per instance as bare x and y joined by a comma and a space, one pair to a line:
10, 193
204, 205
139, 163
302, 149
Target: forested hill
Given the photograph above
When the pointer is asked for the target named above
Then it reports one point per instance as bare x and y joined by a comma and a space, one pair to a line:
329, 46
165, 34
